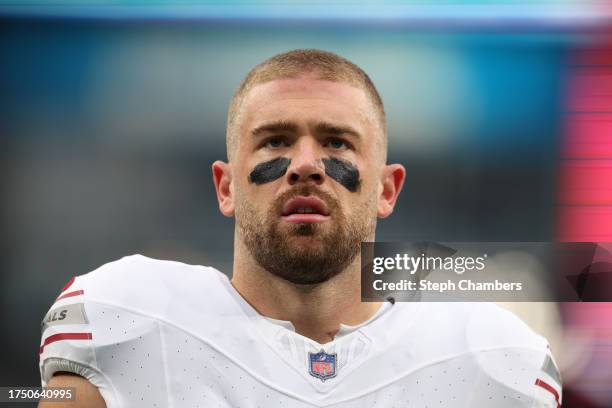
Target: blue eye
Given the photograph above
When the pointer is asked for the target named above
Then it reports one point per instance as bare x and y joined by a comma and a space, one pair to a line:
337, 144
275, 143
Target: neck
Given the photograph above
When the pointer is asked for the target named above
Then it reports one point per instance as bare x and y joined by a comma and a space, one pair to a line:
316, 311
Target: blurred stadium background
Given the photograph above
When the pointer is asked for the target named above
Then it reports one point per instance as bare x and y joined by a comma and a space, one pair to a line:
111, 113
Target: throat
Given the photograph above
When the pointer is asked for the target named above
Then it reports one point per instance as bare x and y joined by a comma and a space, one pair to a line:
316, 311
324, 335
316, 334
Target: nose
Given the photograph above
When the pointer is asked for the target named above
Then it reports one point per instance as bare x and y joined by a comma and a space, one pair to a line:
306, 164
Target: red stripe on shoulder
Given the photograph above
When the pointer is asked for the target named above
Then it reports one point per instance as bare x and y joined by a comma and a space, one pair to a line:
64, 336
549, 388
70, 294
67, 285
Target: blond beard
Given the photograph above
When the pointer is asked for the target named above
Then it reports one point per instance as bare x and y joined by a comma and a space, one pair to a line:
328, 250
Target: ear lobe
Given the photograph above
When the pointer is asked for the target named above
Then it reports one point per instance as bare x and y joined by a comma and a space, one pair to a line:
392, 182
222, 178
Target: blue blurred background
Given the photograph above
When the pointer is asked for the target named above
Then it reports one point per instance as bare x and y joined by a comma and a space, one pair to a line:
113, 112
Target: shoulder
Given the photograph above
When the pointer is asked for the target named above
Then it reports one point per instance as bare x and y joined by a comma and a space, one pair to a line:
488, 325
436, 331
133, 288
138, 288
102, 320
510, 359
512, 356
138, 268
138, 280
477, 325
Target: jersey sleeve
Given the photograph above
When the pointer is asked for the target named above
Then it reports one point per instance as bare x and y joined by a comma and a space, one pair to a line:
97, 337
67, 343
515, 363
515, 377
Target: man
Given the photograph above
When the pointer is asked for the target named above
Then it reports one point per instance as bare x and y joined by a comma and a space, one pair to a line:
306, 181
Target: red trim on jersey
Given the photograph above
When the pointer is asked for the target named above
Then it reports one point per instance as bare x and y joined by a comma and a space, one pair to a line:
64, 336
549, 388
67, 285
70, 294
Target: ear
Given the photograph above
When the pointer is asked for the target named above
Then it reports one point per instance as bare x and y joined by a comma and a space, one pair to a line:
222, 177
392, 180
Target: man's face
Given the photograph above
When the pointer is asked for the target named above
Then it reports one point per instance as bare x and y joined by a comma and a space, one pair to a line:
306, 225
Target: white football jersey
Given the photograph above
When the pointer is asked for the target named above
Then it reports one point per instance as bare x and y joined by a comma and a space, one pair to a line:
151, 333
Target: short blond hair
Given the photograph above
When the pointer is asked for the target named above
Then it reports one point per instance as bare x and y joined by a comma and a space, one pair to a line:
324, 64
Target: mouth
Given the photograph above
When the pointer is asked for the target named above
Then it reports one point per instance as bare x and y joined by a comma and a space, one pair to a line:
305, 209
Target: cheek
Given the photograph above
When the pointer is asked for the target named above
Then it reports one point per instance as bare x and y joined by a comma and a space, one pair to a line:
370, 195
362, 206
243, 194
254, 197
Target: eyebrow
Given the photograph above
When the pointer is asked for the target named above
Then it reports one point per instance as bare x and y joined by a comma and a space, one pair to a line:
275, 127
290, 127
336, 130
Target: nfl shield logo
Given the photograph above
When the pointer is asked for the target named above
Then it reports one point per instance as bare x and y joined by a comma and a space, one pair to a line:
322, 365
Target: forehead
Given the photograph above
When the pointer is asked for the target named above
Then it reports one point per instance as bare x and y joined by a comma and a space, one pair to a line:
310, 99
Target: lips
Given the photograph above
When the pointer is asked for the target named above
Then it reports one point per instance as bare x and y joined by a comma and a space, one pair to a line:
305, 209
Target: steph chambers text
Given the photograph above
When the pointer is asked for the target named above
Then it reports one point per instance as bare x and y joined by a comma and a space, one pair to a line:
465, 285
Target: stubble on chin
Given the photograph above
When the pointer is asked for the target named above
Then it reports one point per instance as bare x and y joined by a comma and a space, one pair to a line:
303, 253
